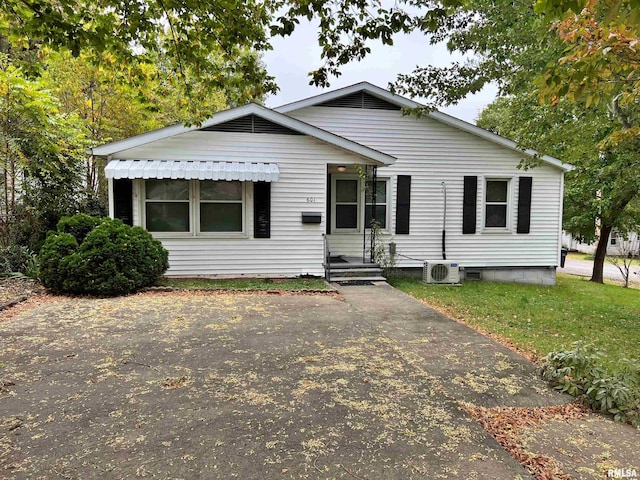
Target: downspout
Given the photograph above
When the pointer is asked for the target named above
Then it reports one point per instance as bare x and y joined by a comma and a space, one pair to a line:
444, 222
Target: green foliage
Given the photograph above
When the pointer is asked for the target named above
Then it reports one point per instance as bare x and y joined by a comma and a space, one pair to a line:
18, 259
79, 226
41, 157
56, 248
207, 41
580, 372
112, 259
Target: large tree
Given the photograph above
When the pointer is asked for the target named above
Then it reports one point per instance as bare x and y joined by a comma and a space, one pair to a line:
185, 32
41, 153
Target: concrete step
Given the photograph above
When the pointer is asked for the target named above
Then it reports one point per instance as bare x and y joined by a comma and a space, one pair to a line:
353, 266
356, 271
358, 279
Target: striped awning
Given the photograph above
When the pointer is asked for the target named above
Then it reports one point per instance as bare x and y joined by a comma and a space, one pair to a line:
193, 170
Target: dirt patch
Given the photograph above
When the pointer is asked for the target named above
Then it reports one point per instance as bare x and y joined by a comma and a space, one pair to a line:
14, 290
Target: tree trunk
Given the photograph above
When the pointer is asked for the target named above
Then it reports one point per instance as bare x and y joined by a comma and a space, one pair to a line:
601, 252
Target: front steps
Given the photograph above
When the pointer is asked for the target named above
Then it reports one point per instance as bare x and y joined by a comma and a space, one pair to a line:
354, 272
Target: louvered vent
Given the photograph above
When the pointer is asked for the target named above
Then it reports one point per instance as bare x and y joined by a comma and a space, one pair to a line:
251, 124
360, 99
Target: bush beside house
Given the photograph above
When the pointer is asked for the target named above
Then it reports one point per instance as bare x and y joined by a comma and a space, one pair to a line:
87, 255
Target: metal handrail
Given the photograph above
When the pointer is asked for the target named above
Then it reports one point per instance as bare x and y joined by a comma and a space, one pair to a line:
327, 257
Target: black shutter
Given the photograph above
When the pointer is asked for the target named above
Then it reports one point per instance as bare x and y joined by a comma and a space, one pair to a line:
469, 204
524, 205
123, 200
262, 210
403, 205
328, 216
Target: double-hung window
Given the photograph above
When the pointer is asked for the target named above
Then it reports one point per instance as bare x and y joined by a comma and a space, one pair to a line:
496, 203
167, 205
221, 206
380, 205
193, 206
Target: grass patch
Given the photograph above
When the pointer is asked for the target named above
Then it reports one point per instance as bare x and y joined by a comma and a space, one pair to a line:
580, 256
247, 284
543, 319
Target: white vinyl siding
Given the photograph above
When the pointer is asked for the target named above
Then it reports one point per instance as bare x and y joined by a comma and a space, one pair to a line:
432, 153
294, 248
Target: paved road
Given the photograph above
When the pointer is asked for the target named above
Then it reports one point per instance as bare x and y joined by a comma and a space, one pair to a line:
584, 268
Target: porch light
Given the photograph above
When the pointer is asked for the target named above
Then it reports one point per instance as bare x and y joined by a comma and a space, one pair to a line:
342, 168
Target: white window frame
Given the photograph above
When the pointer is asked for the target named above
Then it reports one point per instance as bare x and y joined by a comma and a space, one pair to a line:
194, 213
360, 199
143, 210
387, 204
229, 234
508, 203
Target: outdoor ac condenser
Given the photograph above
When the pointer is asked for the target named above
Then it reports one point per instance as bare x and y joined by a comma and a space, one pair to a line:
441, 271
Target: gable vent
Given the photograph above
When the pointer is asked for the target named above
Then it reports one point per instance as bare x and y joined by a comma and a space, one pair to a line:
360, 99
250, 124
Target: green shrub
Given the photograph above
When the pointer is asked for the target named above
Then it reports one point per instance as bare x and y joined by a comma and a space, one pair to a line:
112, 259
78, 225
56, 248
580, 372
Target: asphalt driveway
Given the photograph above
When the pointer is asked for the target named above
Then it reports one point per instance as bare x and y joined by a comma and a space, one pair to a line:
184, 385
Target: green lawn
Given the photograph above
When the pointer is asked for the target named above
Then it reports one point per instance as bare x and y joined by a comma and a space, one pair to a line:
288, 284
542, 319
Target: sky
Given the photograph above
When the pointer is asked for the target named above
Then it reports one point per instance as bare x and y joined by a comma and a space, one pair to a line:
293, 57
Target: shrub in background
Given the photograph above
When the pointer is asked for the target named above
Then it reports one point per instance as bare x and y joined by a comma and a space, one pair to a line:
110, 259
18, 259
580, 372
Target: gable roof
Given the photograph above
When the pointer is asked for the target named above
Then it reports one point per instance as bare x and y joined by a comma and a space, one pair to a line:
403, 102
376, 156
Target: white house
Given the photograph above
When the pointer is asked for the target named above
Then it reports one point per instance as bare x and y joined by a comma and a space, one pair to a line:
267, 192
617, 244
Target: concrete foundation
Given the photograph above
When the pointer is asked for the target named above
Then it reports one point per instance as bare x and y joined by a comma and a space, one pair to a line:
530, 275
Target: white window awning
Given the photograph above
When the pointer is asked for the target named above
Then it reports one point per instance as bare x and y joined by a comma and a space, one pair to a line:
193, 170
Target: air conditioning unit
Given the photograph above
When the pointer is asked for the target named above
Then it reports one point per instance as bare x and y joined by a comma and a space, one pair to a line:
441, 271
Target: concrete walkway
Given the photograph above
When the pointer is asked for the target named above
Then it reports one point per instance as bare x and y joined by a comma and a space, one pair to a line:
468, 366
472, 368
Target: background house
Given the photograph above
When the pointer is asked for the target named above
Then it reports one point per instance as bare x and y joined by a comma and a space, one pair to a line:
617, 244
255, 191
